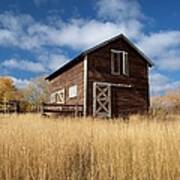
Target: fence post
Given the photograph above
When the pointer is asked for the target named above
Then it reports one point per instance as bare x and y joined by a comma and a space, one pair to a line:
42, 108
16, 104
76, 110
4, 106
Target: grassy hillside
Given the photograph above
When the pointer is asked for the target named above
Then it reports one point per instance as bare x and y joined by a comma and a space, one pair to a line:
32, 147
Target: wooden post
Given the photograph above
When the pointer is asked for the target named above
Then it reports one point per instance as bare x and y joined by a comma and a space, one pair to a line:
7, 107
76, 110
42, 109
12, 107
4, 106
75, 113
16, 105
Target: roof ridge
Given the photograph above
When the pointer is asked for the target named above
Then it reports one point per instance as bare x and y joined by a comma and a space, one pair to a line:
86, 52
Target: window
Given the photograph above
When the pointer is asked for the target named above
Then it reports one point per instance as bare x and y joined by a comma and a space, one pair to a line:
119, 62
58, 97
125, 64
73, 91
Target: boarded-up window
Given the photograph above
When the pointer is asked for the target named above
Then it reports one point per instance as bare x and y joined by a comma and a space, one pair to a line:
119, 62
58, 97
73, 91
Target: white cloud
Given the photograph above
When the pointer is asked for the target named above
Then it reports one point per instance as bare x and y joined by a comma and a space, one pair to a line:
119, 10
46, 63
24, 32
13, 31
7, 37
85, 34
163, 48
53, 61
19, 83
170, 60
57, 61
24, 65
12, 21
119, 16
160, 83
157, 43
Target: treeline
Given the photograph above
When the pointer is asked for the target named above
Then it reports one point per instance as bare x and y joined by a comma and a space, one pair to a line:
30, 97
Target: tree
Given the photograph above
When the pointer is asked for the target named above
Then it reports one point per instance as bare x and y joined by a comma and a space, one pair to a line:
169, 102
8, 91
36, 92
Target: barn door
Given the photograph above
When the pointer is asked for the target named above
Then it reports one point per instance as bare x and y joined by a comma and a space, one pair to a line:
101, 99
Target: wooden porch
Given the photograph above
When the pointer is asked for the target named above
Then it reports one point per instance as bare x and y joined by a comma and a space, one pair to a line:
62, 109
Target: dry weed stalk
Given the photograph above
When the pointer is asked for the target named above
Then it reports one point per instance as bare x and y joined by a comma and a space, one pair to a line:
32, 147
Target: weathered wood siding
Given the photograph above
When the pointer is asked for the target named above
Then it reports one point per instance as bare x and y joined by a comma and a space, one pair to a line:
73, 76
124, 100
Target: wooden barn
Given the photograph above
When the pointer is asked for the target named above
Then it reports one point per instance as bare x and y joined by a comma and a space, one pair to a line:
108, 80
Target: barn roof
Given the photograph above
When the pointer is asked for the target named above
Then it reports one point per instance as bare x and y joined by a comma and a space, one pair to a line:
88, 51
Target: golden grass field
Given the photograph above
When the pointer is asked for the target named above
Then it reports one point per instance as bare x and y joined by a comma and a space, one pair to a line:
36, 148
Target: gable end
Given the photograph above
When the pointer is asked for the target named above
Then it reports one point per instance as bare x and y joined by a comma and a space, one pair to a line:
80, 57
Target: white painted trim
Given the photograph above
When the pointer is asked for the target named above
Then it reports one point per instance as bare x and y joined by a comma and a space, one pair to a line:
94, 99
85, 85
117, 51
110, 102
125, 69
124, 63
73, 91
115, 85
148, 85
60, 93
112, 63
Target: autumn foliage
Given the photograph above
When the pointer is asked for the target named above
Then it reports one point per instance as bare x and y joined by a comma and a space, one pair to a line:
8, 91
30, 97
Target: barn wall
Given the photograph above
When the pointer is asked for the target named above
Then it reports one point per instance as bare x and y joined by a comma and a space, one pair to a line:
73, 76
125, 100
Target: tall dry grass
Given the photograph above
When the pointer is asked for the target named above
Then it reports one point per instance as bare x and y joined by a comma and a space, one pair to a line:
35, 148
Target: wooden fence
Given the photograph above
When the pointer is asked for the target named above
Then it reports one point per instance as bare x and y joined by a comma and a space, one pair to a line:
61, 109
46, 108
9, 107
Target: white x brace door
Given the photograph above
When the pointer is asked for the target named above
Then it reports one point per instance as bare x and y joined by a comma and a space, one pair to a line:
101, 99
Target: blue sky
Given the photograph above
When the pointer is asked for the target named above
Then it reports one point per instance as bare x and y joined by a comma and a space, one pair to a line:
39, 36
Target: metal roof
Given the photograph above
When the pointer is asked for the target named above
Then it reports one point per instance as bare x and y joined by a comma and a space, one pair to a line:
88, 51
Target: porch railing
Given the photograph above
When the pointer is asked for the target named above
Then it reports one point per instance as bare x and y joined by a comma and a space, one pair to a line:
62, 109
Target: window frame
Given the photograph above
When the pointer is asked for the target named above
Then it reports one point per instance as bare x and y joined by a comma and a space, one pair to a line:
125, 69
125, 62
61, 94
113, 62
73, 91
